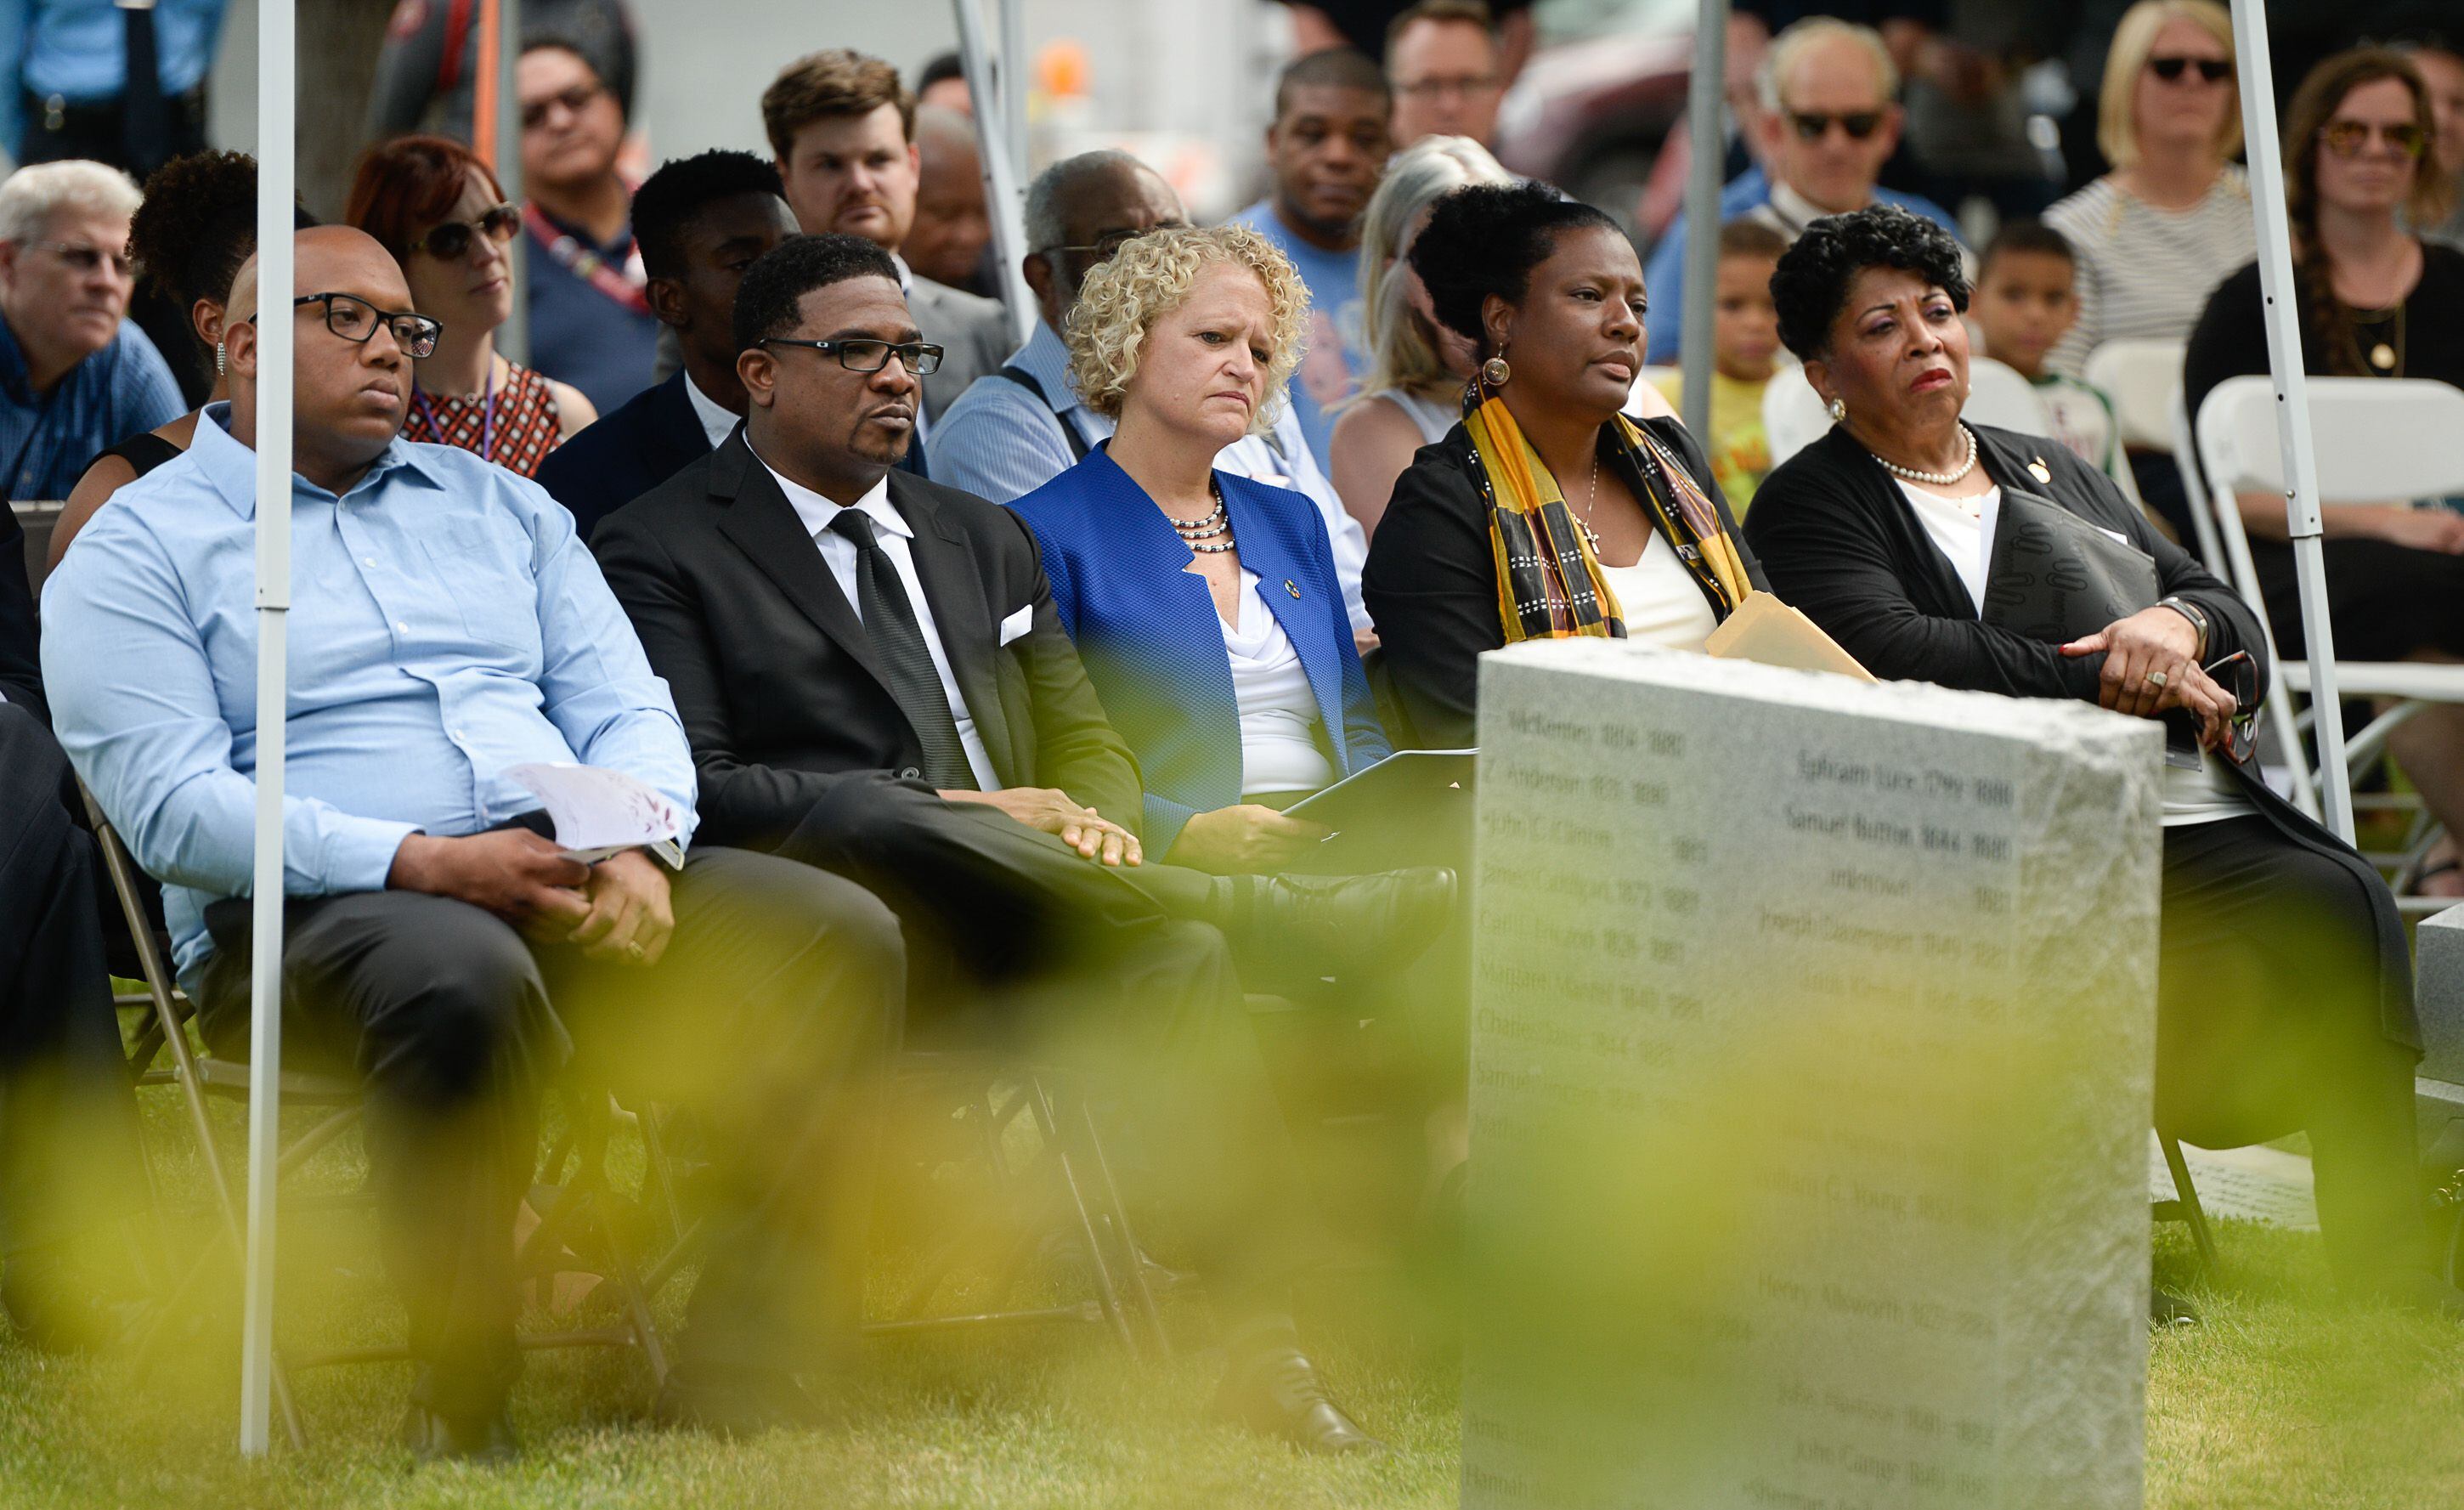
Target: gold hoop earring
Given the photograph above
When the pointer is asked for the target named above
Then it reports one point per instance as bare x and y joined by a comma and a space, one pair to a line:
1838, 412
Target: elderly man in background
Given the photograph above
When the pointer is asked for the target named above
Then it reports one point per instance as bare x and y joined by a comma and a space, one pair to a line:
953, 234
1443, 65
1325, 148
75, 377
842, 128
591, 320
437, 941
1829, 118
1019, 428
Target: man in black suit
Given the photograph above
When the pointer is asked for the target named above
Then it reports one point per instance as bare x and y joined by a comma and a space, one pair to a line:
700, 222
65, 1105
873, 680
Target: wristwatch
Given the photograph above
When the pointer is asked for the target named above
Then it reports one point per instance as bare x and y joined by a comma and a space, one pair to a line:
2198, 617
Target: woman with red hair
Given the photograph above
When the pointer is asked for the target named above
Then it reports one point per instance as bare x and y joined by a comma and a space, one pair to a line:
441, 213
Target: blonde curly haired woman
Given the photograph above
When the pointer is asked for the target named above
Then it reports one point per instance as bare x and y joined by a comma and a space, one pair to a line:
1203, 605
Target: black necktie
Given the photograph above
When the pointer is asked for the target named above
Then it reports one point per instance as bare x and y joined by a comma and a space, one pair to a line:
898, 640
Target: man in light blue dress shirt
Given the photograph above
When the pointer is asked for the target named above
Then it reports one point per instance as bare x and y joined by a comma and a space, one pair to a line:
1005, 437
447, 625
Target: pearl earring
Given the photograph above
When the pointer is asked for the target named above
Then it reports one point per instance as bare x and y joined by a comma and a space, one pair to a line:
1838, 412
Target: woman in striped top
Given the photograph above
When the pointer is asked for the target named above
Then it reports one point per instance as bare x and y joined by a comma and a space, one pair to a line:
2157, 234
440, 213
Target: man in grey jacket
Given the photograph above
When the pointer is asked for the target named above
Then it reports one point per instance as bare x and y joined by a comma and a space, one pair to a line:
842, 126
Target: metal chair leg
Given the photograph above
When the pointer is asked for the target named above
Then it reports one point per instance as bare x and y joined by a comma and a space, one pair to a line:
2185, 1201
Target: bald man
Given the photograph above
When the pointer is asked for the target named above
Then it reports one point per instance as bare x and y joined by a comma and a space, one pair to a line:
952, 230
446, 629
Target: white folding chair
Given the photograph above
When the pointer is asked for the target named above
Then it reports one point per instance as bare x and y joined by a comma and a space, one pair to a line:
2143, 378
2377, 440
1792, 414
1997, 395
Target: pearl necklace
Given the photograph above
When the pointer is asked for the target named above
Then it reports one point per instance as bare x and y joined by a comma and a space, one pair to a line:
1940, 479
1192, 532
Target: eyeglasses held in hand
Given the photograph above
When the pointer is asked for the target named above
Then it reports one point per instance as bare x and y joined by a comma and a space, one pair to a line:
2239, 675
452, 238
1813, 125
535, 111
85, 259
356, 321
2348, 138
2215, 69
863, 354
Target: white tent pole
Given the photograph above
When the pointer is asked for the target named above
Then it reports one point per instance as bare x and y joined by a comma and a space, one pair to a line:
277, 67
1013, 84
513, 337
1707, 141
2283, 312
1000, 179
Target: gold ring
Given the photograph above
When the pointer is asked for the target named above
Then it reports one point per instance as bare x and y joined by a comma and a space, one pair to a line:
633, 951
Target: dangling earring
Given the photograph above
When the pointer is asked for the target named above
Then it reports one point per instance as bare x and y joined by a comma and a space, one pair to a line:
1494, 372
218, 358
1838, 412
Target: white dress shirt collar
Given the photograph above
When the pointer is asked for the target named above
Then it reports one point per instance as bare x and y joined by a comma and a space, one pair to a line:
816, 511
716, 422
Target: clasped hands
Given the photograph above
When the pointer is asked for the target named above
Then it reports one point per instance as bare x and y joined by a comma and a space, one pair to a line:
617, 909
2151, 668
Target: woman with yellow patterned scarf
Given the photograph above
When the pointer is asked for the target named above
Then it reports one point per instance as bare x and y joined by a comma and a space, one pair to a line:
1548, 513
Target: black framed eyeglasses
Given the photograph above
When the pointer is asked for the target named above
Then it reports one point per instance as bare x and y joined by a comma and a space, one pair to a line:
1462, 86
1106, 247
864, 354
1813, 125
2239, 675
2348, 138
356, 321
2215, 69
452, 238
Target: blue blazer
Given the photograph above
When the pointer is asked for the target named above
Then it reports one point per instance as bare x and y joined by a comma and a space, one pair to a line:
1151, 643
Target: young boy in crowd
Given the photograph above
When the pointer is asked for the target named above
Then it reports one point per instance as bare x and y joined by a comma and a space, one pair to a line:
1745, 349
2026, 299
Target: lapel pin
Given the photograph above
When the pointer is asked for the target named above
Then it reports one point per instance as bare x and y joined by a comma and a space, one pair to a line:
1290, 588
2040, 472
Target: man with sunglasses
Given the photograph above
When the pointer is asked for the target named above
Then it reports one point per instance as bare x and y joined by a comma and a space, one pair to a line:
1016, 429
77, 376
446, 629
1830, 118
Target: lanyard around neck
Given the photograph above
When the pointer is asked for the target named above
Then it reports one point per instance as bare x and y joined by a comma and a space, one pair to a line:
487, 413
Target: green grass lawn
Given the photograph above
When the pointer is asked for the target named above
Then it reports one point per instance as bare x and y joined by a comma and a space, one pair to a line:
2283, 1398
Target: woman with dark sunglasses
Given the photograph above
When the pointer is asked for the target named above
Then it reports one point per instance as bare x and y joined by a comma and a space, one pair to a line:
442, 214
2376, 300
2154, 235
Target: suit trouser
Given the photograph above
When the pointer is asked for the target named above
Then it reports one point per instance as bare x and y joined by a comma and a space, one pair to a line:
2268, 1022
66, 1108
774, 1007
1105, 971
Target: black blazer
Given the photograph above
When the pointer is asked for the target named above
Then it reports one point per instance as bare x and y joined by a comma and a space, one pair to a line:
774, 676
643, 442
21, 665
1431, 582
1842, 545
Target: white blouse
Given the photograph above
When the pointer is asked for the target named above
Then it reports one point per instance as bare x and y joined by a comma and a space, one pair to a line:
1963, 530
1279, 746
1659, 599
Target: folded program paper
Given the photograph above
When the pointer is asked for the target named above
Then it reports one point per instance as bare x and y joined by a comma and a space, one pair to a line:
599, 813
